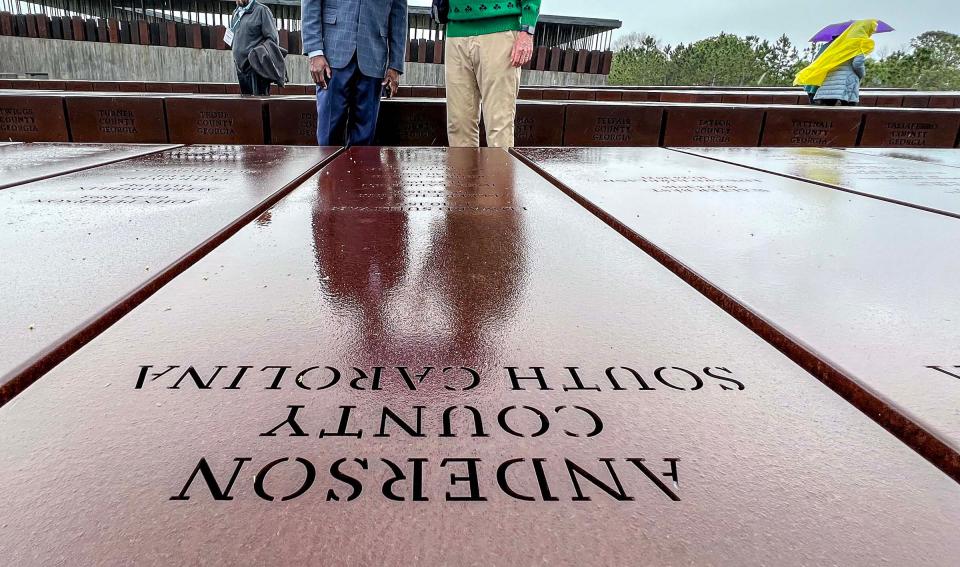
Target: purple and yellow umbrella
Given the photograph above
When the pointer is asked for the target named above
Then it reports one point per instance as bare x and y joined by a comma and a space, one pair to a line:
834, 30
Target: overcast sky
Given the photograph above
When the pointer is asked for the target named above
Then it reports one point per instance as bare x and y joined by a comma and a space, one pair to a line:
675, 21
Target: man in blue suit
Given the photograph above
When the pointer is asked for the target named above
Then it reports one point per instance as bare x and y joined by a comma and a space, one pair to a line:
356, 48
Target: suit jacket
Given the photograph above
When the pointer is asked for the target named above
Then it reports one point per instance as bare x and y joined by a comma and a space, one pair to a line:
376, 30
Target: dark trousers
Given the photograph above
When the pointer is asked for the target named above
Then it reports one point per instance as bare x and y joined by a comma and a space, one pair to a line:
834, 102
252, 83
347, 109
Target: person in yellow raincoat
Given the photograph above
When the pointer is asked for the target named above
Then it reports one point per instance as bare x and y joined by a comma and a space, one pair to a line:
838, 71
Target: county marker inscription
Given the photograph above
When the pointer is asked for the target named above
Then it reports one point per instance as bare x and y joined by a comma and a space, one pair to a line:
411, 359
84, 244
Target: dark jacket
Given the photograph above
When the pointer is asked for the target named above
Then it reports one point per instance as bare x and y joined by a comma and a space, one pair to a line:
267, 60
251, 30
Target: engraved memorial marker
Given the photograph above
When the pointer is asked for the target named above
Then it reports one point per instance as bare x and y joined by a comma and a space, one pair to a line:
712, 125
23, 163
611, 124
216, 119
440, 335
927, 186
88, 246
856, 289
293, 120
904, 129
117, 119
27, 118
806, 127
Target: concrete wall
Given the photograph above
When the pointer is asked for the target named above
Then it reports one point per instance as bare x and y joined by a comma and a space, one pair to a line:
93, 61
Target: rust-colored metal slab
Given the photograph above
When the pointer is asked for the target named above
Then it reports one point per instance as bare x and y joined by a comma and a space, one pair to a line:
530, 94
212, 88
609, 95
139, 119
694, 97
293, 120
712, 125
931, 128
916, 101
805, 126
108, 86
640, 96
774, 98
424, 92
555, 94
467, 261
677, 97
78, 85
888, 101
857, 290
930, 187
26, 118
79, 250
946, 157
582, 94
539, 124
412, 122
734, 98
944, 101
23, 163
555, 56
611, 124
216, 119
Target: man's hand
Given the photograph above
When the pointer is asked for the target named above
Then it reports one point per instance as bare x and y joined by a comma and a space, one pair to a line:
392, 81
320, 70
522, 50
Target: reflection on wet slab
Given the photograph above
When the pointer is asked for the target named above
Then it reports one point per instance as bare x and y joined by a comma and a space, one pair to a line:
859, 290
82, 246
946, 157
435, 356
22, 163
927, 186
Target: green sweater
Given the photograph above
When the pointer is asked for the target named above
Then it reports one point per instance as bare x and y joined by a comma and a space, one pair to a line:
473, 17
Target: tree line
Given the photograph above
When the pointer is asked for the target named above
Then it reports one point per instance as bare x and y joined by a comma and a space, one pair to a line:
931, 62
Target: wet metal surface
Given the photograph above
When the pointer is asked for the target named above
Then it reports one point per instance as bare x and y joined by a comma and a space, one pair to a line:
455, 260
857, 289
932, 187
946, 157
22, 163
77, 246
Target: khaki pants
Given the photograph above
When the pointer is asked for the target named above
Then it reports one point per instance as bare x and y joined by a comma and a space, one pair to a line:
478, 69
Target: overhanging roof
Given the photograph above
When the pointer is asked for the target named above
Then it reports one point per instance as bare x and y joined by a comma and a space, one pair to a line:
544, 18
